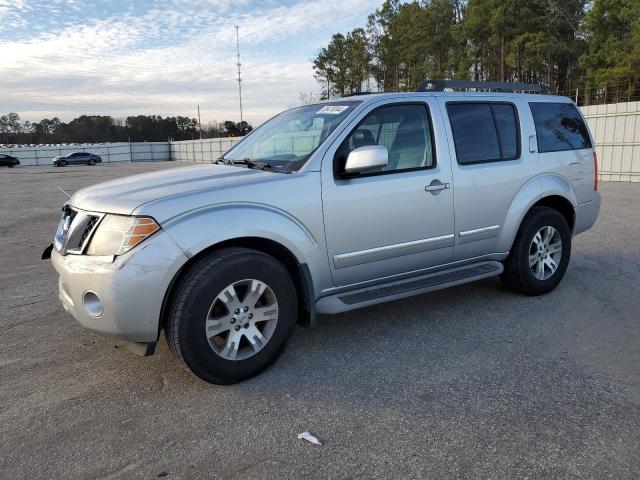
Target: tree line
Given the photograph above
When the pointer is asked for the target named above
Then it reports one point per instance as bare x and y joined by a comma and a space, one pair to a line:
103, 128
589, 46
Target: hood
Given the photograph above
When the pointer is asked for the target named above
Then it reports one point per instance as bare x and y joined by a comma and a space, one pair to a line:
124, 195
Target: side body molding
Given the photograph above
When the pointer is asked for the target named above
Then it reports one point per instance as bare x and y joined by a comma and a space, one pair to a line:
527, 196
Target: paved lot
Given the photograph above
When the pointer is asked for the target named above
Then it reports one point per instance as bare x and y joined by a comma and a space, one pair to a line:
472, 382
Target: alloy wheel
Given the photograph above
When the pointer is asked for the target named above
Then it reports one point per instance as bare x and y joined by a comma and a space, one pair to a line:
545, 252
242, 319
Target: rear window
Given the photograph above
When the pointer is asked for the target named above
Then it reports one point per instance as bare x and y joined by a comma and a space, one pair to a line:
484, 132
559, 127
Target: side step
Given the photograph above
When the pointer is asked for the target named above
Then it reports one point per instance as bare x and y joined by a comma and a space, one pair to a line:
341, 302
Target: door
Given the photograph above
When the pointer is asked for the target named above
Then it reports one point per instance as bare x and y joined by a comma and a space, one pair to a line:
396, 219
490, 166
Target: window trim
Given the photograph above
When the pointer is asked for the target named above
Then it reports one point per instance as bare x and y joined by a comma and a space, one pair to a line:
518, 155
349, 176
584, 122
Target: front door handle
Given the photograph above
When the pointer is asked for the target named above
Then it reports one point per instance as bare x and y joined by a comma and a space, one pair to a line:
436, 186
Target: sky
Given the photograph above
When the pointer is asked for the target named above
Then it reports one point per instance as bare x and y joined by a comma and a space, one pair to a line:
65, 58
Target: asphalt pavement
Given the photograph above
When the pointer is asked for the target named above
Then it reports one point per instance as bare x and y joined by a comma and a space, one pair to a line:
470, 382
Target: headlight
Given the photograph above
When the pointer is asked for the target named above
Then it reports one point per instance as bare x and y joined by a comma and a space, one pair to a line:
117, 234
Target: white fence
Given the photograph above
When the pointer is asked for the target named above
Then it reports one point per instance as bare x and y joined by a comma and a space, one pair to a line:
110, 152
201, 151
616, 132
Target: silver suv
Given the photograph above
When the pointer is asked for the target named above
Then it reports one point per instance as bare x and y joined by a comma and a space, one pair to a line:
327, 208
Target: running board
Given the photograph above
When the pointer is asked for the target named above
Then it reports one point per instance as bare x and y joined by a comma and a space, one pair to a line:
341, 302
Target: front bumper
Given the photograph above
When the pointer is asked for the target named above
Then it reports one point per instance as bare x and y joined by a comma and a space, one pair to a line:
130, 288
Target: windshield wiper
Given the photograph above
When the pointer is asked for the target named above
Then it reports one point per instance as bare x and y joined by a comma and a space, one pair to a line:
248, 162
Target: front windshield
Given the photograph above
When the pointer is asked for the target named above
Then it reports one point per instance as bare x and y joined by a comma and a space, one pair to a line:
286, 142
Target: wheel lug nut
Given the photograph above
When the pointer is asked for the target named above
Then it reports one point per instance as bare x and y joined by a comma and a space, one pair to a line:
237, 311
246, 309
246, 325
237, 327
250, 316
233, 320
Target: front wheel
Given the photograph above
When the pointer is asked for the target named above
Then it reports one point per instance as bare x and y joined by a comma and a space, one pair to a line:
231, 315
540, 253
62, 163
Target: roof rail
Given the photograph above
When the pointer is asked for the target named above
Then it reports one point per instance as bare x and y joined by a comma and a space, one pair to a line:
355, 94
508, 87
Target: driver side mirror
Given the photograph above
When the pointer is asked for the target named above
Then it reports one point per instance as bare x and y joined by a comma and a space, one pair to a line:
366, 158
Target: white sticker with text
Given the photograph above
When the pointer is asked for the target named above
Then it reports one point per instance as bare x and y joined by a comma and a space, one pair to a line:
333, 109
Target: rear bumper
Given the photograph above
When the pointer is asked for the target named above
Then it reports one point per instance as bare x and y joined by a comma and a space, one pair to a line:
130, 288
586, 215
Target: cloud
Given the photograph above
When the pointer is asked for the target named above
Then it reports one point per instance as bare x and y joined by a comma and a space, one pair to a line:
167, 58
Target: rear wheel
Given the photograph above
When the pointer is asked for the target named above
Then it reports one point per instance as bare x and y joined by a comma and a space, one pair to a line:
540, 253
91, 162
231, 315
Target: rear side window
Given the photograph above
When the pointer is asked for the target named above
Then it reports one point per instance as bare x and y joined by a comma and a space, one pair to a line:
559, 127
484, 132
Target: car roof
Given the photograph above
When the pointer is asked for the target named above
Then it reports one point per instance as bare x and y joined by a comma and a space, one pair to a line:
531, 97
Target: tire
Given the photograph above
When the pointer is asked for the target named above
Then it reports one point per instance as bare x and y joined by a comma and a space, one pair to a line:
197, 296
62, 163
11, 165
91, 162
519, 273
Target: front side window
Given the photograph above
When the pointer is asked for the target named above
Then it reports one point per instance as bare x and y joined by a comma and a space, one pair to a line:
405, 132
559, 127
484, 132
287, 141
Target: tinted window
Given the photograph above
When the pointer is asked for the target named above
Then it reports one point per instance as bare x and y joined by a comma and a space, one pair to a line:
507, 129
484, 132
403, 129
559, 126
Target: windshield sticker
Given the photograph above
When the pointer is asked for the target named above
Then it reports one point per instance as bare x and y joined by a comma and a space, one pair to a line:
333, 109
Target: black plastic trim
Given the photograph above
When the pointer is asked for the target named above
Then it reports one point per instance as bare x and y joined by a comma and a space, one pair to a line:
508, 87
307, 317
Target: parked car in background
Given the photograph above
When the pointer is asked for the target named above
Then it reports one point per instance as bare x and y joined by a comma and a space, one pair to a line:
78, 158
326, 208
8, 161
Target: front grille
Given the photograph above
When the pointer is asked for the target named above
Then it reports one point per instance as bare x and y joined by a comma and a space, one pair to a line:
75, 229
91, 222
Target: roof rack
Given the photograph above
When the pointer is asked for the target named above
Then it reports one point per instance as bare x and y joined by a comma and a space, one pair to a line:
355, 94
441, 85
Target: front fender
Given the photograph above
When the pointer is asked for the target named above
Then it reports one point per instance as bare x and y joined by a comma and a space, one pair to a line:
199, 229
539, 187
